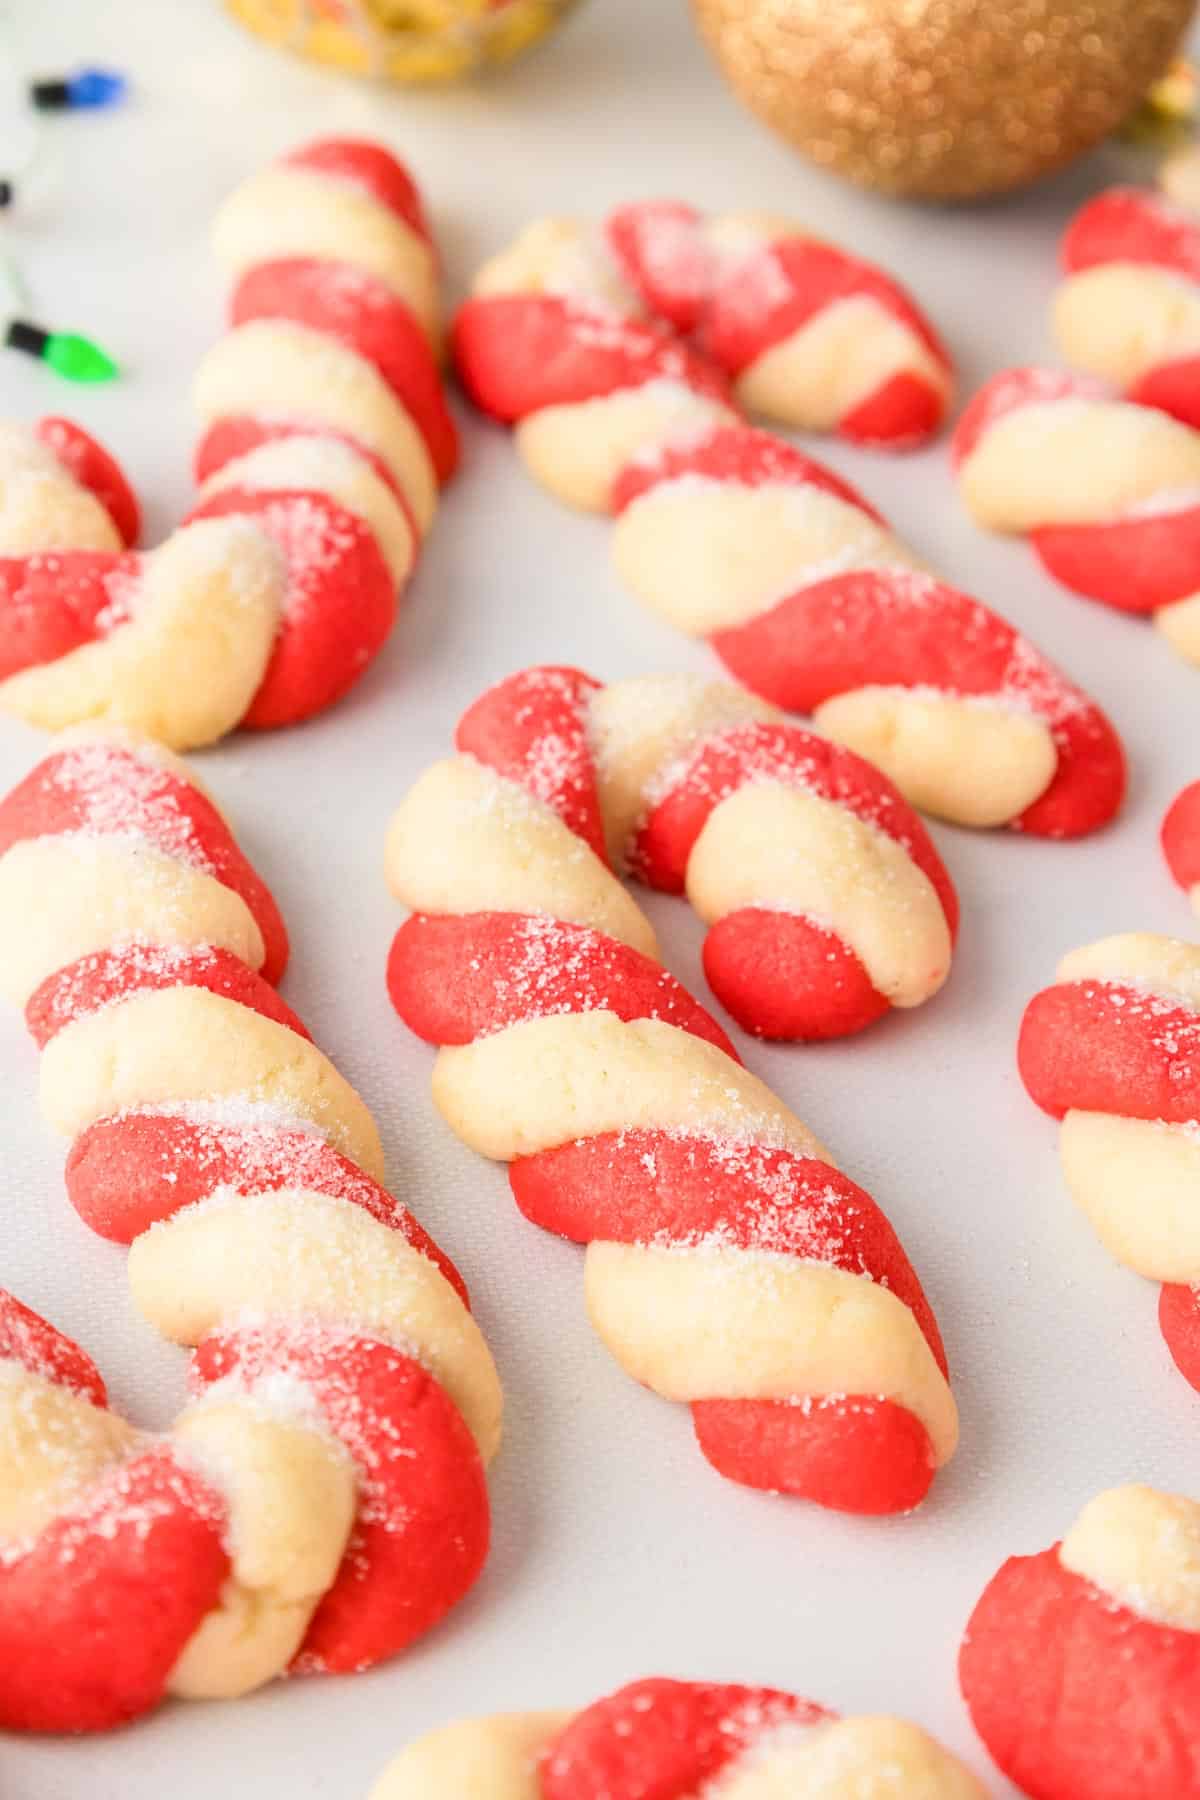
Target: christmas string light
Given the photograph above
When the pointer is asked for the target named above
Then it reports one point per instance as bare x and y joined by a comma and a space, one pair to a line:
84, 90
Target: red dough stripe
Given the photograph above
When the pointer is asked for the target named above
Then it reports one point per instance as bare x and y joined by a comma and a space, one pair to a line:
421, 1534
643, 1187
1134, 564
910, 631
1076, 1697
852, 1452
110, 976
94, 1616
1108, 1047
362, 312
738, 454
665, 1740
341, 603
457, 978
99, 786
532, 728
518, 353
370, 166
53, 602
127, 1173
96, 469
1181, 836
28, 1339
1133, 225
1173, 387
784, 976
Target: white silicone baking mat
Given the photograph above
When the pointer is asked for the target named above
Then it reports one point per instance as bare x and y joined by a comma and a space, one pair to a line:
617, 1552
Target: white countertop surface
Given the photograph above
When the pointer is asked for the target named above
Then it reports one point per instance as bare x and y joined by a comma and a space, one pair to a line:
617, 1551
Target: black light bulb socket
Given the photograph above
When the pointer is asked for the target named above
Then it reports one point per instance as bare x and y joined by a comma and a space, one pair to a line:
21, 335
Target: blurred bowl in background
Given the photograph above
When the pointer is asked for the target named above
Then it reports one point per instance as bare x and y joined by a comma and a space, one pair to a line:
403, 40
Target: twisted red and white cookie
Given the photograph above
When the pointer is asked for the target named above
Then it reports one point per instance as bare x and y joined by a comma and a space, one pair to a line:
826, 900
1113, 1050
1081, 1665
1106, 490
326, 435
1181, 841
321, 1501
800, 586
61, 490
597, 344
730, 1264
1129, 308
680, 1740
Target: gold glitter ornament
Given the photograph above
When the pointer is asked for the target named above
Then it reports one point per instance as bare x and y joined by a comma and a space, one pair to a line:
403, 40
943, 99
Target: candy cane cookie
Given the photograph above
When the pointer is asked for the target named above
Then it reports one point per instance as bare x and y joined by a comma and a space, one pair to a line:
732, 535
826, 900
1106, 490
321, 1501
1081, 1664
1129, 308
1113, 1050
326, 434
730, 1265
679, 1740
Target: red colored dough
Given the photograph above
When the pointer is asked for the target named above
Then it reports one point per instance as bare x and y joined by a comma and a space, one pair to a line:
518, 353
421, 1533
1075, 1696
28, 1339
457, 978
94, 1615
665, 1740
736, 454
1133, 564
783, 976
532, 728
338, 607
103, 786
57, 600
1107, 1047
126, 1173
96, 469
1179, 1322
362, 312
1008, 392
1133, 225
366, 165
1181, 836
110, 976
1173, 387
852, 1452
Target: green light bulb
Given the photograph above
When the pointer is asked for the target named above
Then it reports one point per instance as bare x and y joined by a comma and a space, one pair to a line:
77, 358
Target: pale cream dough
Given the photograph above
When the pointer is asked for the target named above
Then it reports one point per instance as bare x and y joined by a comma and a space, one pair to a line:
335, 469
844, 1759
713, 1322
833, 362
300, 1254
186, 666
278, 370
974, 762
639, 729
1121, 319
709, 555
1142, 1547
475, 1759
62, 898
775, 846
180, 1043
549, 1081
1076, 462
563, 257
42, 506
291, 1493
467, 840
1169, 966
1180, 625
577, 450
54, 1444
286, 211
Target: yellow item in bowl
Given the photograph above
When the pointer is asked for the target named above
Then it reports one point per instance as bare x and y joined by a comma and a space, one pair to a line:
403, 40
